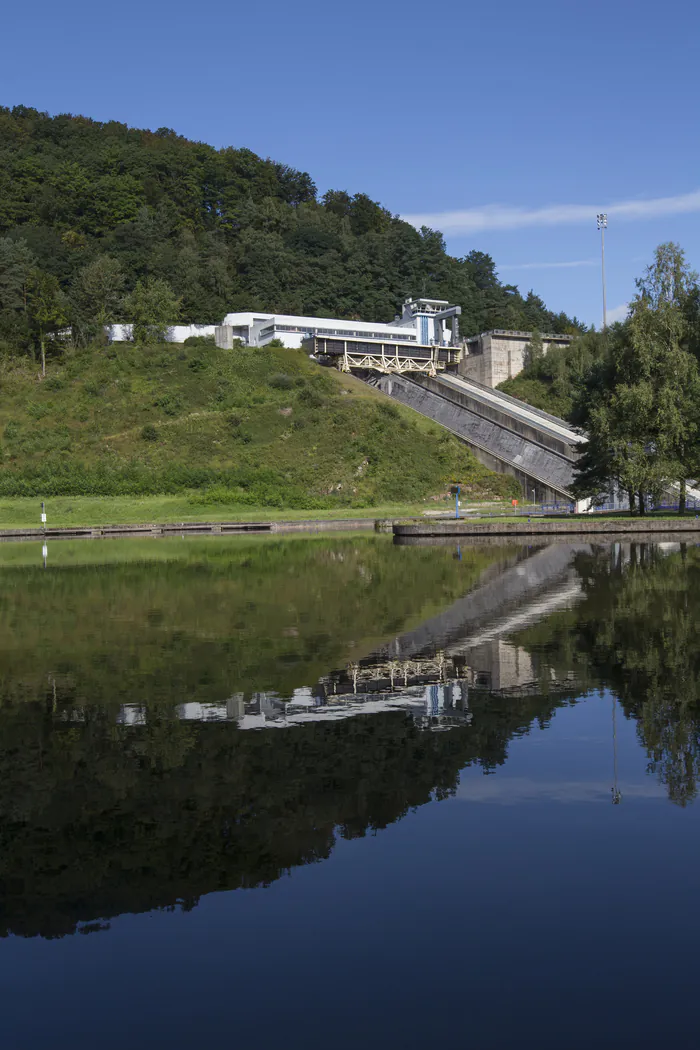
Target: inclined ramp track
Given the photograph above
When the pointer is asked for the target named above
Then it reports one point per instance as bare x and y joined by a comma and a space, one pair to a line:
510, 592
517, 409
504, 433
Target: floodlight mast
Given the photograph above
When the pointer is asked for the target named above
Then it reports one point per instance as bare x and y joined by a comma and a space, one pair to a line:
602, 220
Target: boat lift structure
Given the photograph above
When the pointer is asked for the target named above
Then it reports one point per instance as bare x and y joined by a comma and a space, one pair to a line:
387, 358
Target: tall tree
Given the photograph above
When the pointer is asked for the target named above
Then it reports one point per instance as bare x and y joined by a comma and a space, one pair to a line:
96, 297
48, 309
16, 265
534, 351
640, 404
152, 308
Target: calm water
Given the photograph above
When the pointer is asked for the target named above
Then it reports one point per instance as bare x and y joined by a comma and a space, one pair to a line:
332, 792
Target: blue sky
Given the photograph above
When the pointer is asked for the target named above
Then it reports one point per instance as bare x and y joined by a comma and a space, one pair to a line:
508, 125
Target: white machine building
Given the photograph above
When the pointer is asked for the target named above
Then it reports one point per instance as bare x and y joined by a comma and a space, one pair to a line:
422, 321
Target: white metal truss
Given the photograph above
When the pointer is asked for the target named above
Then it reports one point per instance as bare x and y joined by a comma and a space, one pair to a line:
392, 363
399, 671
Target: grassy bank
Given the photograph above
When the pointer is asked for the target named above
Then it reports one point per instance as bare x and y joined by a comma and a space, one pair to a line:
247, 428
24, 512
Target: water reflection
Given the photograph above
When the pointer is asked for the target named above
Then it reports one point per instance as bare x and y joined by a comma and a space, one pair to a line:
136, 766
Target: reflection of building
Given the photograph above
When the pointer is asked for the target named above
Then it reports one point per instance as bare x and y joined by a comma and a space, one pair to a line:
434, 704
433, 689
497, 665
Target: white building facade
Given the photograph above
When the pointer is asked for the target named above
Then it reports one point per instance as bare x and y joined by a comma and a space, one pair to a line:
420, 322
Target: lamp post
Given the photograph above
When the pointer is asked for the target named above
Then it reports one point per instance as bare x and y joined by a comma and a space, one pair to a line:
602, 220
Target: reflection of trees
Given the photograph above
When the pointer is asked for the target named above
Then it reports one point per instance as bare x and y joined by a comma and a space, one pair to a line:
201, 621
635, 633
98, 819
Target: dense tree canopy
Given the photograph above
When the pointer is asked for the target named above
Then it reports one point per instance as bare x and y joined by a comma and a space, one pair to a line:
101, 207
640, 400
634, 388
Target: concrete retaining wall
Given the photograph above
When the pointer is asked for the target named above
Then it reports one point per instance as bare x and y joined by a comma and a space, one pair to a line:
186, 528
499, 448
599, 526
538, 435
494, 356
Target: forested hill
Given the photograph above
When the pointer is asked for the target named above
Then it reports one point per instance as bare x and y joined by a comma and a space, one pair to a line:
224, 228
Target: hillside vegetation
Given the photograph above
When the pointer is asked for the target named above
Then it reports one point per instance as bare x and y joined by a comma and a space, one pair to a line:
257, 427
92, 213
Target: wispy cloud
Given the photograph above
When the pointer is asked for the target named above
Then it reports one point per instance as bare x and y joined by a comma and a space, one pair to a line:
508, 217
549, 265
619, 313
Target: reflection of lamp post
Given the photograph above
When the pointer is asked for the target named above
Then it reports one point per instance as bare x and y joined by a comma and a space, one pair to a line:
616, 796
602, 221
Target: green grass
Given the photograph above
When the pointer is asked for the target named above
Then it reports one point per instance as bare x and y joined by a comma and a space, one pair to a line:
124, 510
25, 512
237, 430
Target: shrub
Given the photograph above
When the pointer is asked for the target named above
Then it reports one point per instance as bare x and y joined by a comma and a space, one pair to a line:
200, 340
281, 381
311, 398
149, 432
197, 364
169, 403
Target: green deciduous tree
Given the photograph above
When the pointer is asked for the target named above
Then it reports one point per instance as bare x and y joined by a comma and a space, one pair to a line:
534, 351
16, 265
47, 309
96, 297
640, 403
152, 308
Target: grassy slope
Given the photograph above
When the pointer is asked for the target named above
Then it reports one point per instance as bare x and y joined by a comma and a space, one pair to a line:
249, 428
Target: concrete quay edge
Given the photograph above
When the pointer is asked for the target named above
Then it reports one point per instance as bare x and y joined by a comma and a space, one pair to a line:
618, 526
194, 528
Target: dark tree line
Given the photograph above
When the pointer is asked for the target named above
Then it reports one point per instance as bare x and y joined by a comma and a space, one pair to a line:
95, 217
98, 819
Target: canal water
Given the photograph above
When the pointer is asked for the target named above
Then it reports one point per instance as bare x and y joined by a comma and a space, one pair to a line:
334, 792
